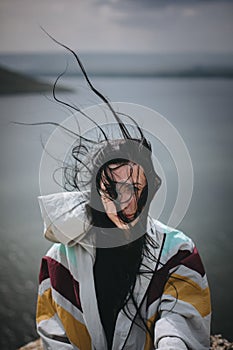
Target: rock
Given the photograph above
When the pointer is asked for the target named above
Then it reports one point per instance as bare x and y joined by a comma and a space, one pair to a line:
34, 345
219, 343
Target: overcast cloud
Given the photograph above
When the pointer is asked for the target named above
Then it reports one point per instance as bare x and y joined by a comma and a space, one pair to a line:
117, 25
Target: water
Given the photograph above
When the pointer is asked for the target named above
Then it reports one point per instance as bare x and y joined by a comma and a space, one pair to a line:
200, 109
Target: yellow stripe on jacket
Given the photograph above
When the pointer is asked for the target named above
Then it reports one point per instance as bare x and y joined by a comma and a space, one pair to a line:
75, 330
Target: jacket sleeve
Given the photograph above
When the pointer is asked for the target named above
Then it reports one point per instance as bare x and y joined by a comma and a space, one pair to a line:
49, 326
185, 307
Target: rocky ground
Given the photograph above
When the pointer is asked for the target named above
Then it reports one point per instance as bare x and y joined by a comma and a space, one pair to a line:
217, 343
35, 345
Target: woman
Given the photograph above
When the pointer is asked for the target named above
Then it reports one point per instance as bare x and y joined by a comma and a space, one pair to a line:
116, 278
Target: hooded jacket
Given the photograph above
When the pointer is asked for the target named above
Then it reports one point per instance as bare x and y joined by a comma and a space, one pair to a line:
172, 292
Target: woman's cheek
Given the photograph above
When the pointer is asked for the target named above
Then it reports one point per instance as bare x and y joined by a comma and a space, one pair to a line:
109, 207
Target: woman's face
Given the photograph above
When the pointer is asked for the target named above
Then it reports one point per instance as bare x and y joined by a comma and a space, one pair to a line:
129, 182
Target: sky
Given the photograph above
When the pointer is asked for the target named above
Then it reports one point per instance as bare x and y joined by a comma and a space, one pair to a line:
117, 25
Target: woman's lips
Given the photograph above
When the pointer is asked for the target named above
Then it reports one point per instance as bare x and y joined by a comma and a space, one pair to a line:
129, 216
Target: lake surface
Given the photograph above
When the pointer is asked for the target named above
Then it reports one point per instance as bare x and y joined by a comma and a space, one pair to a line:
201, 111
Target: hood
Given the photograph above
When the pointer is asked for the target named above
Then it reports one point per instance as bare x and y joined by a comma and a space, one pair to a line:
64, 215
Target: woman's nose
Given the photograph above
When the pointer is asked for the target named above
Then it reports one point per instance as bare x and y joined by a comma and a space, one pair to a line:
128, 205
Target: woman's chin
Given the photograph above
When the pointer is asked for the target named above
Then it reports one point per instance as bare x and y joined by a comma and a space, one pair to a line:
126, 226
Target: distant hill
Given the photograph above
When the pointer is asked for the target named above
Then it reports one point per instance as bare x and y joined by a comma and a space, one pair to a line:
15, 83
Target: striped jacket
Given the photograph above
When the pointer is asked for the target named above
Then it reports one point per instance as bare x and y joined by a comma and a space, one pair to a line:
174, 300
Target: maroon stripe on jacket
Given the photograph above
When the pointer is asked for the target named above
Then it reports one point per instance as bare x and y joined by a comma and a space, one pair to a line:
160, 278
194, 262
44, 272
61, 280
189, 259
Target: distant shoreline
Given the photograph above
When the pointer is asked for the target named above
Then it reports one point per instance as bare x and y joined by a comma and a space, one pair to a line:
118, 65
